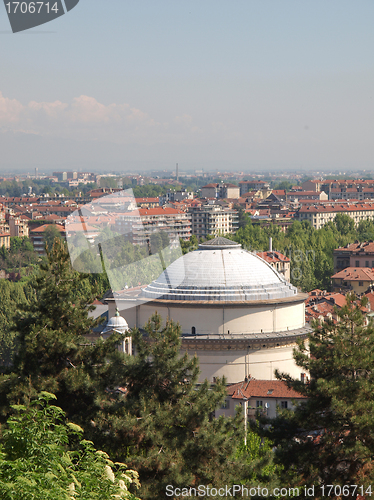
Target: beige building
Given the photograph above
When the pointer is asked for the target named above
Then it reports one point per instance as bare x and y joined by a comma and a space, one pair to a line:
18, 227
141, 223
216, 190
210, 220
353, 279
321, 214
246, 186
262, 397
278, 261
236, 312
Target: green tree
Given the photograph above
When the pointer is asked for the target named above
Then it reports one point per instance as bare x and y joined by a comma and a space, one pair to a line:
45, 458
344, 224
329, 439
52, 353
164, 427
50, 234
11, 294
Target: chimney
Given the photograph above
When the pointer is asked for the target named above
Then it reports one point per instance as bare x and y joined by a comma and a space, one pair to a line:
270, 244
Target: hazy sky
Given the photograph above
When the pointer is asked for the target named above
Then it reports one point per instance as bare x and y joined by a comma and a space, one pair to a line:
213, 84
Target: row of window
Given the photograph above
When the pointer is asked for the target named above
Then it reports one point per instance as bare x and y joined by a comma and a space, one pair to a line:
259, 404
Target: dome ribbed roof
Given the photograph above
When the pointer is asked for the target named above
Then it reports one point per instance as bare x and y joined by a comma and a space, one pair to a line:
117, 323
220, 270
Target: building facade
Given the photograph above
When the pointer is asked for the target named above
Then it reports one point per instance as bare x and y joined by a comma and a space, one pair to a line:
236, 313
210, 220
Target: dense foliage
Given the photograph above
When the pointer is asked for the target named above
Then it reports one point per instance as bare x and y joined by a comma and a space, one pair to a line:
329, 439
19, 259
145, 410
43, 457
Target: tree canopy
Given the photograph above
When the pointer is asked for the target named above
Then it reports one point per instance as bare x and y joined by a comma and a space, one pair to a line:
329, 439
44, 457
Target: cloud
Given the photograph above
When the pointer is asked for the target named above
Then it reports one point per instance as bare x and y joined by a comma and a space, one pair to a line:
84, 118
10, 110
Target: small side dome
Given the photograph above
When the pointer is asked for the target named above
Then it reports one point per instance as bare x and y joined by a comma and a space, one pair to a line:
116, 323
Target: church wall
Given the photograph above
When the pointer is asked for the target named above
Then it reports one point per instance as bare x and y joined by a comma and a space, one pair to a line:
236, 320
236, 365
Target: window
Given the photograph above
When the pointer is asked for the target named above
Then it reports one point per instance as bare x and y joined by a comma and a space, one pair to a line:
357, 263
259, 404
225, 405
360, 283
193, 330
366, 263
284, 405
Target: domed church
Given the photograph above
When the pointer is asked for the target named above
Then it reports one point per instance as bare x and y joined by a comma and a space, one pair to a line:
236, 312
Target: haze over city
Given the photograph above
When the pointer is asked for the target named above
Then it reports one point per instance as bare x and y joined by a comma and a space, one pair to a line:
216, 85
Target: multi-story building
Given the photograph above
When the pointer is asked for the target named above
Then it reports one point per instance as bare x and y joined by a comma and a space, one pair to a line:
354, 255
357, 280
61, 176
140, 224
212, 220
278, 261
216, 190
306, 195
5, 240
172, 196
147, 202
319, 215
18, 227
343, 189
37, 236
246, 186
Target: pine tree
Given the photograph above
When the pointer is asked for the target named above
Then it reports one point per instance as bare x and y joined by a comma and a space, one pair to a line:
145, 411
164, 426
52, 354
329, 439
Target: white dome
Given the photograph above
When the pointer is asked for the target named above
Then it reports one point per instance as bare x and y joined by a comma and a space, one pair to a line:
117, 323
220, 270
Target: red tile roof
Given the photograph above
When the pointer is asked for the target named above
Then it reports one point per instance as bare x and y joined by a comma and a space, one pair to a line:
358, 248
262, 389
355, 274
41, 229
338, 207
273, 256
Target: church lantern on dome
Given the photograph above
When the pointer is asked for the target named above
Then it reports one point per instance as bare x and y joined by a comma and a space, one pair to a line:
118, 324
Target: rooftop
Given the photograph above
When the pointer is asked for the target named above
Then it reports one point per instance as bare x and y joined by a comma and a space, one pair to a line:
219, 271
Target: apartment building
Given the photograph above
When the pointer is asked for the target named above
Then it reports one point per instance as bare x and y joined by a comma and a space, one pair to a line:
319, 215
18, 227
306, 195
214, 190
37, 236
140, 224
175, 196
354, 255
342, 189
212, 220
246, 186
357, 280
